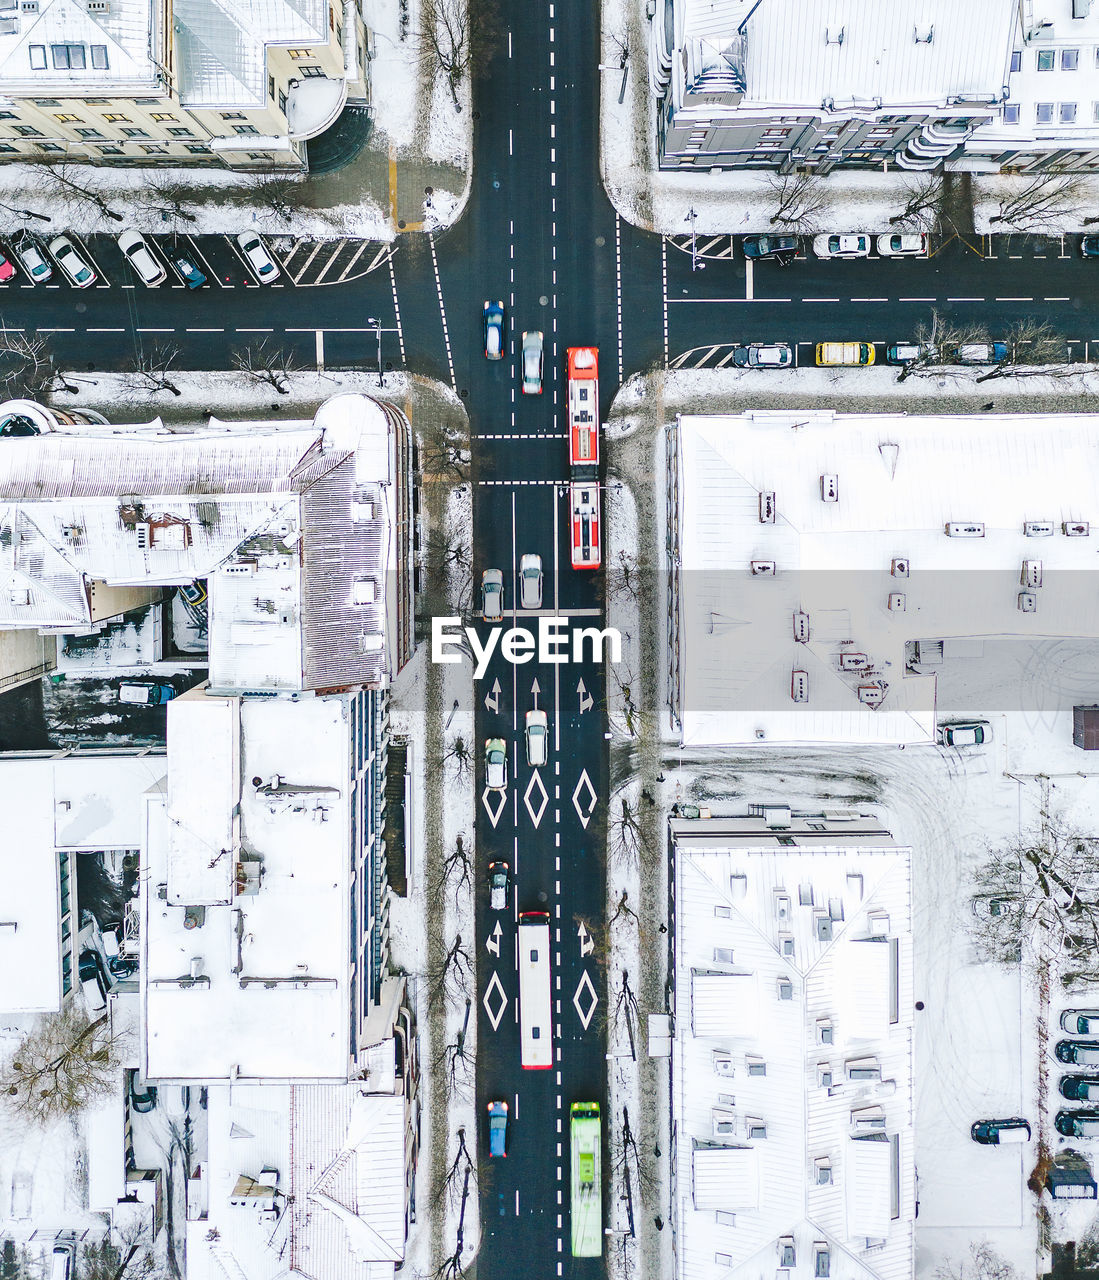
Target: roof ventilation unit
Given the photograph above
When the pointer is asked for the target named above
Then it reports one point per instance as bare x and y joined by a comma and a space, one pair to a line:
834, 35
801, 628
853, 661
897, 602
767, 508
1038, 528
799, 686
829, 489
1078, 530
871, 695
1031, 575
924, 34
965, 529
764, 568
1028, 602
899, 567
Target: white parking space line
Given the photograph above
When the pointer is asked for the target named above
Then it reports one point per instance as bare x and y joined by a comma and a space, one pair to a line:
211, 274
749, 280
320, 350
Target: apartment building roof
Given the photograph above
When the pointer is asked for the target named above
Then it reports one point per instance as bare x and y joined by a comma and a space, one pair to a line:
794, 627
792, 1056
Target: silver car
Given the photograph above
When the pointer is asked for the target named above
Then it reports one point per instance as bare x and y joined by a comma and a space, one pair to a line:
530, 582
1080, 1022
532, 363
537, 733
492, 595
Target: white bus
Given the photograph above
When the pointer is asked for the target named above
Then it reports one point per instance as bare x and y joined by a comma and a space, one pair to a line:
535, 1003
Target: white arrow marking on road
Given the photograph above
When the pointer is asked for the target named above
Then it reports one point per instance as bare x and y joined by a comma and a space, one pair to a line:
592, 799
492, 698
494, 818
536, 689
587, 942
586, 700
495, 986
493, 940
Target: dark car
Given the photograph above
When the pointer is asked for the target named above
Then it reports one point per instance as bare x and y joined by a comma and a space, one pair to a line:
1080, 1088
494, 330
995, 1133
191, 276
780, 249
498, 1128
1089, 246
1077, 1124
1081, 1052
142, 1094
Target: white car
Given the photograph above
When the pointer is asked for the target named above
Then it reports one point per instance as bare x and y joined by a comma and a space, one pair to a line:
902, 246
1080, 1022
71, 263
255, 254
965, 733
530, 582
496, 764
532, 362
31, 260
137, 252
537, 738
853, 245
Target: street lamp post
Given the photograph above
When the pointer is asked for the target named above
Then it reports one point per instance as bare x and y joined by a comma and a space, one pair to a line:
376, 326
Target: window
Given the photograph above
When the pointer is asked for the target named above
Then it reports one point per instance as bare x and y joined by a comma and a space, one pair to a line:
134, 133
97, 102
1068, 112
270, 86
282, 102
88, 133
67, 119
99, 57
339, 34
112, 117
757, 1129
197, 149
1070, 59
162, 115
46, 102
49, 146
785, 989
110, 151
776, 133
1046, 59
298, 53
822, 1261
27, 131
1095, 112
723, 955
756, 1065
1011, 113
331, 18
1043, 112
259, 155
824, 1031
312, 71
38, 57
68, 57
1017, 61
181, 133
232, 115
245, 129
8, 115
824, 1171
787, 1257
155, 149
6, 148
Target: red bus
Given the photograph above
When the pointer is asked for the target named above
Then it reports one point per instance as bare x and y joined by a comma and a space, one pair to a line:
583, 390
585, 535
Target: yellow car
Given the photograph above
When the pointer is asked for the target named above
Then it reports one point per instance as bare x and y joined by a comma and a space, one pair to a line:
845, 353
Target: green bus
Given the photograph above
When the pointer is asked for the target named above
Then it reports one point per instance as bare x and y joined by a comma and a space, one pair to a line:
586, 1138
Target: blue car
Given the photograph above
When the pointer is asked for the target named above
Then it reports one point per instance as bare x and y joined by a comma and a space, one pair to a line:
191, 276
494, 330
497, 1128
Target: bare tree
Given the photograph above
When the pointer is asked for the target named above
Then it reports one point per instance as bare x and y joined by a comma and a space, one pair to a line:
938, 343
450, 979
626, 1011
460, 1172
444, 451
459, 755
60, 1067
1044, 203
28, 368
456, 873
277, 196
924, 204
1033, 348
624, 834
166, 197
456, 38
62, 179
449, 551
268, 363
982, 1263
801, 201
624, 577
150, 369
1041, 889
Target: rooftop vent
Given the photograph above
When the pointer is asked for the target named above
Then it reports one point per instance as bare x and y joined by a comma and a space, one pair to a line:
801, 628
965, 529
767, 508
899, 567
1038, 528
799, 686
764, 568
923, 34
364, 591
1031, 575
897, 602
1028, 602
829, 488
1078, 530
834, 35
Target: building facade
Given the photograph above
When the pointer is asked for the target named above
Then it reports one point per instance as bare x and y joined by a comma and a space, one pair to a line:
239, 85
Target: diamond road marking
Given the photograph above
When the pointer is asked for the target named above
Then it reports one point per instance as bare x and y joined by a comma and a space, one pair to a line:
535, 787
585, 991
486, 800
584, 813
495, 985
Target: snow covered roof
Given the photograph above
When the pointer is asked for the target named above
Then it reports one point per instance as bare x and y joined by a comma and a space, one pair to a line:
337, 1154
885, 529
862, 53
222, 982
794, 1129
69, 803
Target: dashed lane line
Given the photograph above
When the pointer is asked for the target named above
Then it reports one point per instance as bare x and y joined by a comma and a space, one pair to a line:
618, 282
442, 311
664, 290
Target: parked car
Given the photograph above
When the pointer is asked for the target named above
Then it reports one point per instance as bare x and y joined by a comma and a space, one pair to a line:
191, 276
92, 982
30, 258
135, 248
763, 355
530, 581
989, 905
1089, 246
902, 246
71, 263
965, 733
499, 886
979, 352
496, 764
256, 255
145, 693
1080, 1022
61, 1260
532, 363
142, 1094
1078, 1124
492, 595
996, 1133
780, 249
537, 735
1082, 1053
498, 1128
1080, 1088
494, 330
851, 354
7, 270
853, 245
907, 352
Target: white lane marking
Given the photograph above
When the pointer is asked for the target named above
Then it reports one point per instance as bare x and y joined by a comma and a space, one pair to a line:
320, 350
442, 311
664, 290
556, 606
618, 286
749, 281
